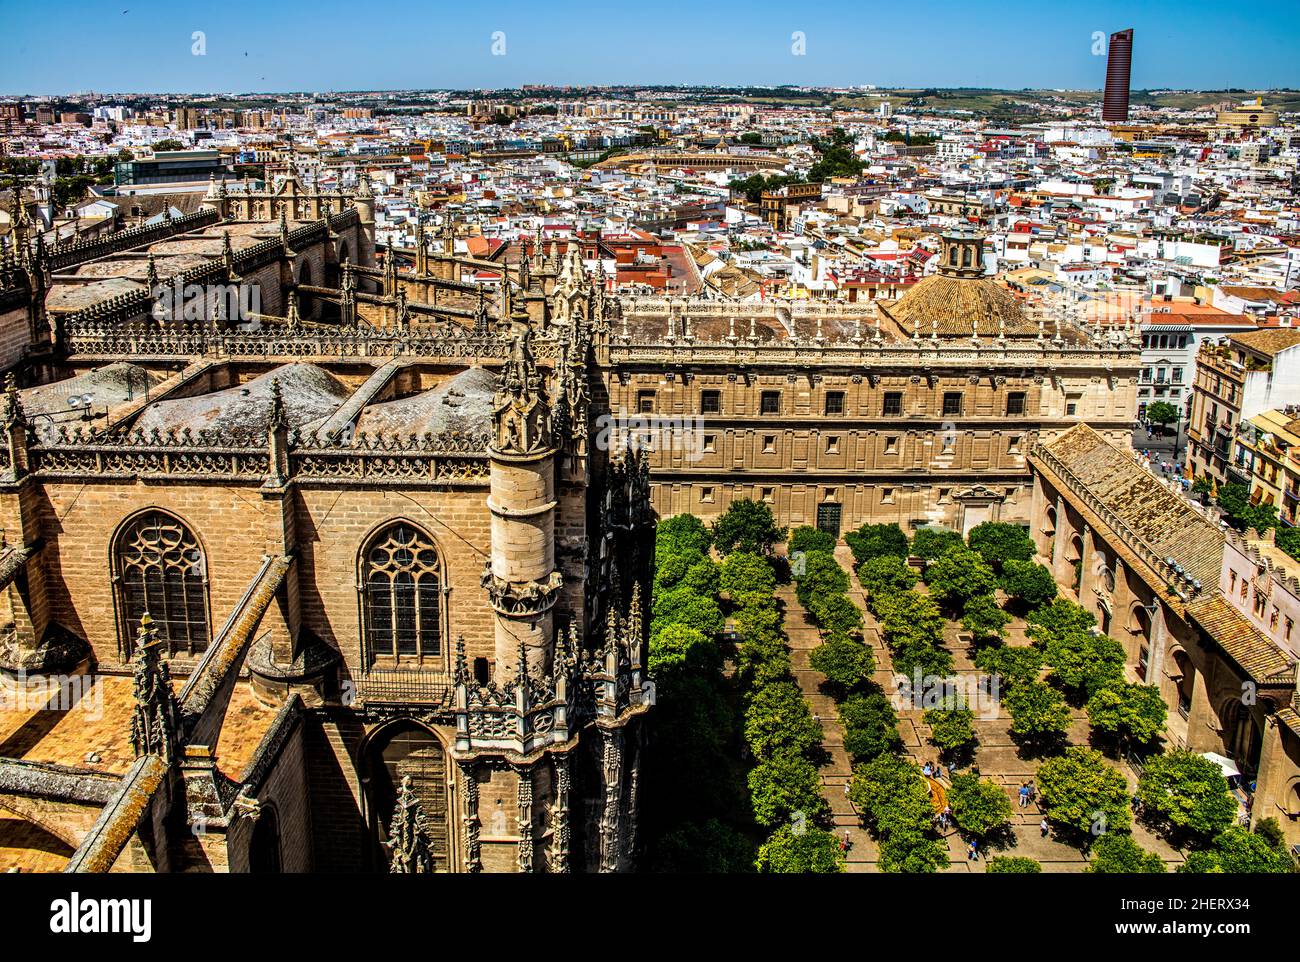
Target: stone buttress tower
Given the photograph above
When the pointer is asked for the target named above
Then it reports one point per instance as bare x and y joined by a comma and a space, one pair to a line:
521, 579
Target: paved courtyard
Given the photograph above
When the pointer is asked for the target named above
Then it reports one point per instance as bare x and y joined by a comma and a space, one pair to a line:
997, 756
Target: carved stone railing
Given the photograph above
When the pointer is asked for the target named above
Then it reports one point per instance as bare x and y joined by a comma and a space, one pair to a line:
75, 252
231, 457
869, 354
99, 335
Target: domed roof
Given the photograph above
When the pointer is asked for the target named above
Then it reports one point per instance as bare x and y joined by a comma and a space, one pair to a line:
952, 306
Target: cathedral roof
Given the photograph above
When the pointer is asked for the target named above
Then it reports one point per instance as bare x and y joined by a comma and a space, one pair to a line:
459, 405
310, 393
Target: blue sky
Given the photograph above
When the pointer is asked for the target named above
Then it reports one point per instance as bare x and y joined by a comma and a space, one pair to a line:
83, 45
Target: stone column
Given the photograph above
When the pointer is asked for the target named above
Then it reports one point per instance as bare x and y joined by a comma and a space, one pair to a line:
469, 817
525, 776
611, 822
559, 855
1060, 537
1085, 538
1159, 639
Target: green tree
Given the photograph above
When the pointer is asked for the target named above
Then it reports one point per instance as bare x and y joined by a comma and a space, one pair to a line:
686, 607
912, 853
1013, 666
1056, 620
886, 574
742, 572
1039, 715
979, 807
1238, 850
930, 543
681, 532
1013, 865
168, 144
779, 721
808, 538
747, 525
784, 787
1082, 662
984, 617
870, 726
708, 847
812, 850
1028, 582
1127, 712
998, 542
873, 540
682, 648
1188, 793
952, 725
846, 663
1115, 853
819, 575
957, 577
892, 796
688, 569
1241, 512
1162, 413
1079, 791
912, 656
836, 614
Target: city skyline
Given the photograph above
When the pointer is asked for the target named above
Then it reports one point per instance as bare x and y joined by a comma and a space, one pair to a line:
248, 48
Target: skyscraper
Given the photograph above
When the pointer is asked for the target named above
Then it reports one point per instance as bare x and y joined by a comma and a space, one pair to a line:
1118, 63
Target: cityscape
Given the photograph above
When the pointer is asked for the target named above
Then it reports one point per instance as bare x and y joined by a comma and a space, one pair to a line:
661, 477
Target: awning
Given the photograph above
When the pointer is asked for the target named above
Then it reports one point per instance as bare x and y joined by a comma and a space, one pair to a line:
1228, 766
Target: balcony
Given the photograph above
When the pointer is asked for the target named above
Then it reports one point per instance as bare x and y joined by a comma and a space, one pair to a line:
400, 686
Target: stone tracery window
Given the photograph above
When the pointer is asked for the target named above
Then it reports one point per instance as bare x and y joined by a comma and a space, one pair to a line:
401, 595
160, 569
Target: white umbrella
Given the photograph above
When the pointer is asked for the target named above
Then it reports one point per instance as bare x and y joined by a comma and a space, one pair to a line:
1228, 766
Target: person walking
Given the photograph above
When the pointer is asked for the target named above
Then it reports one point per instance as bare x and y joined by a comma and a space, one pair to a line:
973, 852
1044, 828
1024, 794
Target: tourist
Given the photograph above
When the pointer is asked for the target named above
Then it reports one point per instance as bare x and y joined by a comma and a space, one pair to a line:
1024, 794
973, 852
1043, 827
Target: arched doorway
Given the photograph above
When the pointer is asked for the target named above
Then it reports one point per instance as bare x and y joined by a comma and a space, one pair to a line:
1139, 626
264, 848
308, 306
400, 750
1186, 680
1074, 555
1242, 737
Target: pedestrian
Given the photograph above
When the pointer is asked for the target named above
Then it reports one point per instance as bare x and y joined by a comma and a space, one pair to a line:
1043, 828
847, 842
946, 816
847, 785
952, 769
973, 852
1024, 794
926, 770
1033, 791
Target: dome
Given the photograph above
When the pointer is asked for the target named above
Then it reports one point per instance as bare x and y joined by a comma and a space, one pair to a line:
951, 306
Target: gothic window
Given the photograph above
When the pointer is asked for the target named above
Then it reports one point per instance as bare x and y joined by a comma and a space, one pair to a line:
159, 569
401, 596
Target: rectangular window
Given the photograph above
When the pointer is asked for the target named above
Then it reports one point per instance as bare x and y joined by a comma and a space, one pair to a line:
645, 402
833, 444
768, 495
769, 443
952, 403
886, 495
1072, 405
1015, 403
770, 402
1013, 444
834, 402
709, 440
893, 403
891, 444
710, 402
706, 495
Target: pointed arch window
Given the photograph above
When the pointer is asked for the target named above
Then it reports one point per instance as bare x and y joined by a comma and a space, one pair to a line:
401, 592
160, 569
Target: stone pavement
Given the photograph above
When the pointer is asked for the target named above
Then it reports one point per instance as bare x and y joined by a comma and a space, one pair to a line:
997, 756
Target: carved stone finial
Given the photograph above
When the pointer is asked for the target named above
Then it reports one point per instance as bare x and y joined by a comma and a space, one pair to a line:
408, 834
521, 414
155, 720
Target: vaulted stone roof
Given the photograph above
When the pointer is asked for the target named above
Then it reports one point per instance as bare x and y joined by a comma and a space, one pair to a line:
962, 307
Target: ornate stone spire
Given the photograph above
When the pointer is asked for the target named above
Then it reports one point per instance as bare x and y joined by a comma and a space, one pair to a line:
155, 722
408, 834
521, 415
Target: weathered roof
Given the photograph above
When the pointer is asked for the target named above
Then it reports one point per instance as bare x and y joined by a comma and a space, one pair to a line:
1268, 341
1138, 502
310, 393
1253, 651
962, 307
460, 404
